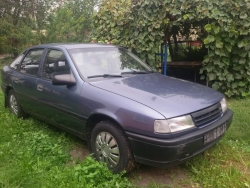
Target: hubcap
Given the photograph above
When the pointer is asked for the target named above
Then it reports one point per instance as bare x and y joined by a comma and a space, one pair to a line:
107, 149
13, 104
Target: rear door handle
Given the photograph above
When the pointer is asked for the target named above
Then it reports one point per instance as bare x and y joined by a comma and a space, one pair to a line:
39, 87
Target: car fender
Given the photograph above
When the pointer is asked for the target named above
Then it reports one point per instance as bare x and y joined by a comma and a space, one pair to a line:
131, 115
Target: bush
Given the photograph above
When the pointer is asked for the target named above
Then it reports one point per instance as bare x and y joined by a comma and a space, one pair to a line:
223, 26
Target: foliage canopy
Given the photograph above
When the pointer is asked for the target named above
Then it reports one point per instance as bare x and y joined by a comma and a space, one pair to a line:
25, 23
17, 20
71, 22
223, 27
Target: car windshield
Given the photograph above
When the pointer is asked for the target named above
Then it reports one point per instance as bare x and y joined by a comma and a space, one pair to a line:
107, 62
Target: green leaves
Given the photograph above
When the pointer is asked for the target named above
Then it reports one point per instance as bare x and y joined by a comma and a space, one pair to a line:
211, 76
243, 16
227, 63
208, 27
219, 44
71, 22
242, 61
209, 39
186, 16
223, 26
242, 43
212, 28
243, 31
216, 29
228, 47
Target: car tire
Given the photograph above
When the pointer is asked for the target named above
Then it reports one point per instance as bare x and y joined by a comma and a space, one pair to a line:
110, 145
14, 105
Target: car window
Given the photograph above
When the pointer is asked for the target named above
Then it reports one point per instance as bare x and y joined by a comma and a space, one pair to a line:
106, 61
30, 63
16, 62
54, 63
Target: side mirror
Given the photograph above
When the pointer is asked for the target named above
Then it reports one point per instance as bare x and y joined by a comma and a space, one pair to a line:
63, 79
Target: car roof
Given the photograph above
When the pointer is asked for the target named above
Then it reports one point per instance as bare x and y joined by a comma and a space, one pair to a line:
75, 45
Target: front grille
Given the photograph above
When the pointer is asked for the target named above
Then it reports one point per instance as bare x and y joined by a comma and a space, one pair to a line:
207, 116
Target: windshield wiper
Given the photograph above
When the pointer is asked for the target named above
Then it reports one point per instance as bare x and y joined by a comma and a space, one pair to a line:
137, 72
105, 76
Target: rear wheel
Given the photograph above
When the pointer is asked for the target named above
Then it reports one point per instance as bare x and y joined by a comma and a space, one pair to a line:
110, 145
14, 105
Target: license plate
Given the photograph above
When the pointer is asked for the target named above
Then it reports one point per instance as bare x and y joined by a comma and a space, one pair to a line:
212, 135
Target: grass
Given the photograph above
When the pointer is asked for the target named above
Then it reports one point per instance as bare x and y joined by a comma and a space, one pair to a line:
228, 163
34, 154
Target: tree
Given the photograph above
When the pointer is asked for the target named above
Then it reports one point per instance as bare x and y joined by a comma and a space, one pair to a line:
71, 22
17, 19
142, 25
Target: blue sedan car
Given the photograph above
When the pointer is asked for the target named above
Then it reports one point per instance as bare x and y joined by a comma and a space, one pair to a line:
106, 95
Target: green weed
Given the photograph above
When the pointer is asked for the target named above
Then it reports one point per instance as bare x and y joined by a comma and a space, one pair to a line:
33, 154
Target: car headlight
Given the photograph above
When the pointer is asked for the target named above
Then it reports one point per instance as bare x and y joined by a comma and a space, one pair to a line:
223, 104
173, 124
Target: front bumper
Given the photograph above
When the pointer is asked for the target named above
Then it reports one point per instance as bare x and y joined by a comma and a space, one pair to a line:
167, 152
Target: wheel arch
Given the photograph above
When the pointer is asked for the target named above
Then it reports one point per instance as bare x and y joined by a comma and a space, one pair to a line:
96, 118
93, 121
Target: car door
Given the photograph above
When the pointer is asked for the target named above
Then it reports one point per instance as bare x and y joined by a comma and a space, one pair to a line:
25, 80
58, 103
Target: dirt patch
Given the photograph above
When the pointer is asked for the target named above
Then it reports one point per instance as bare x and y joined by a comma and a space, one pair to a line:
79, 152
145, 176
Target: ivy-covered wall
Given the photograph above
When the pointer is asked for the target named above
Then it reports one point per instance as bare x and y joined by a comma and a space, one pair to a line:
142, 25
228, 61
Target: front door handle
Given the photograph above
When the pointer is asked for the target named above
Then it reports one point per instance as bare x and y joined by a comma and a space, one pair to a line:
39, 87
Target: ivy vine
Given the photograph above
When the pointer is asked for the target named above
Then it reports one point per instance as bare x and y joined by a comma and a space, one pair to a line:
142, 25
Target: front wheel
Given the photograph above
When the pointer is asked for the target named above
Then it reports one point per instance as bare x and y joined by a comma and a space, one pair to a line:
14, 106
110, 145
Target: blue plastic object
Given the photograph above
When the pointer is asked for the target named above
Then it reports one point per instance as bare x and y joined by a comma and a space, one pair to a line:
165, 58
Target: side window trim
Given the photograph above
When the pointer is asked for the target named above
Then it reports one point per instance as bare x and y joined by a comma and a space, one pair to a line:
23, 54
54, 61
32, 65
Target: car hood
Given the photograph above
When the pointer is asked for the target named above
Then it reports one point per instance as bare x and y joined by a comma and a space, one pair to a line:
169, 96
